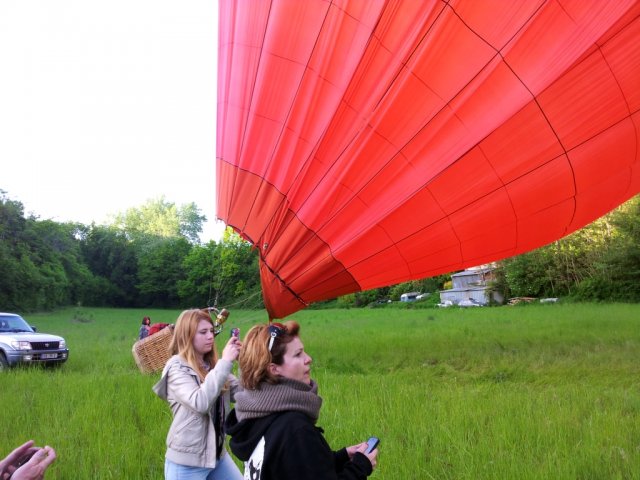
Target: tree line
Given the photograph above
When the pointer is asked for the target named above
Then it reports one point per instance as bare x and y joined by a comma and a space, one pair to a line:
148, 256
151, 256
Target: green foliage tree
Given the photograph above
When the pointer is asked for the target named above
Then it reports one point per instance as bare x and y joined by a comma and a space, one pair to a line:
160, 270
358, 299
112, 259
527, 275
222, 274
13, 254
40, 261
624, 254
346, 301
236, 272
59, 261
425, 285
198, 288
615, 272
161, 218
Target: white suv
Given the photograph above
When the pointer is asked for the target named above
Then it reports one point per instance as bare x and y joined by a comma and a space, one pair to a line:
20, 344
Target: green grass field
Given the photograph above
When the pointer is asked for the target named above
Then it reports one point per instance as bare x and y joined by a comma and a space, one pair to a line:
534, 392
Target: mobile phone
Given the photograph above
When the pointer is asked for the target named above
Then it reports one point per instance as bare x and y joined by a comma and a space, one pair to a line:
235, 332
27, 456
372, 443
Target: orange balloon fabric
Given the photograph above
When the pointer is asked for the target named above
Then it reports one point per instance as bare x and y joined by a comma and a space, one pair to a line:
363, 143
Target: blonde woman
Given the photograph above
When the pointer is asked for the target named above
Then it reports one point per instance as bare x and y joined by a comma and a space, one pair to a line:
198, 386
273, 427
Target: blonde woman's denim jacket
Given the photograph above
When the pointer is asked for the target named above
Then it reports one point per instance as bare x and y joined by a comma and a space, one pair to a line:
191, 440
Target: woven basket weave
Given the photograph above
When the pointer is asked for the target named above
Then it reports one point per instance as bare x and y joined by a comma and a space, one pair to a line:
152, 353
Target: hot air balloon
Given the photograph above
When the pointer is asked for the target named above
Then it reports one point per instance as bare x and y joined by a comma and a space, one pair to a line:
363, 143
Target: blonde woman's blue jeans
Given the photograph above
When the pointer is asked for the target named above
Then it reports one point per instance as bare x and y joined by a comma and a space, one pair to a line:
225, 470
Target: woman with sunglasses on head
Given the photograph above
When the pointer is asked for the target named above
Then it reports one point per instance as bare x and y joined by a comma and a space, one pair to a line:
273, 426
198, 386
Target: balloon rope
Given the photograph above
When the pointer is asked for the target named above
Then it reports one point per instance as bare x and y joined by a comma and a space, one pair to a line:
219, 277
246, 299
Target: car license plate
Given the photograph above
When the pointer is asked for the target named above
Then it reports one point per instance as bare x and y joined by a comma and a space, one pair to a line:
46, 356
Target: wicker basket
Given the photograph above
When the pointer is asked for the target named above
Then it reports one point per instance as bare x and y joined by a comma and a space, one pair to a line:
152, 352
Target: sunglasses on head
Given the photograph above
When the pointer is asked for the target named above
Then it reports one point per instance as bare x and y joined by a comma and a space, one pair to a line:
275, 330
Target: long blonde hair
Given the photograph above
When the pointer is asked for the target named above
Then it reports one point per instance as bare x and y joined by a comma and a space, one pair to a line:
182, 342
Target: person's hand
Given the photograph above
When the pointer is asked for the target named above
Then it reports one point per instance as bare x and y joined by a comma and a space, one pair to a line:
355, 448
34, 469
11, 462
35, 460
362, 448
232, 349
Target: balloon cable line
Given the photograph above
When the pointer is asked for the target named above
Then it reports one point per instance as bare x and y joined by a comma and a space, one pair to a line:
219, 278
245, 300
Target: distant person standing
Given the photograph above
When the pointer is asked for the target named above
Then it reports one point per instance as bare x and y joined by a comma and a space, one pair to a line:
144, 328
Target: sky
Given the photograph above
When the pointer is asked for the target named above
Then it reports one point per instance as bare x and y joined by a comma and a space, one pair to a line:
105, 105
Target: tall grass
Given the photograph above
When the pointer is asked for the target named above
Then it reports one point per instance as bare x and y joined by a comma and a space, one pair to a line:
535, 392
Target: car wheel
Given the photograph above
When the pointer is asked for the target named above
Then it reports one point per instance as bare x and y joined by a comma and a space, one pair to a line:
3, 362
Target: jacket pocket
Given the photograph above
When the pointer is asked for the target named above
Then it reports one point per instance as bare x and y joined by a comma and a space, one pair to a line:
189, 434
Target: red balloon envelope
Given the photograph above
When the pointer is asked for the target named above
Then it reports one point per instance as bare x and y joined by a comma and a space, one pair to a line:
364, 143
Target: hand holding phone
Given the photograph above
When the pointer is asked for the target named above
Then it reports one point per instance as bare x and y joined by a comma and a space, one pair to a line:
372, 443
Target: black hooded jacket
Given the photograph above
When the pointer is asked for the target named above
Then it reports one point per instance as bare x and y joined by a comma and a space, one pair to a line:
294, 449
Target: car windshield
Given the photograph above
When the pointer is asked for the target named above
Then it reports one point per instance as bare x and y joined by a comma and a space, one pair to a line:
13, 323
